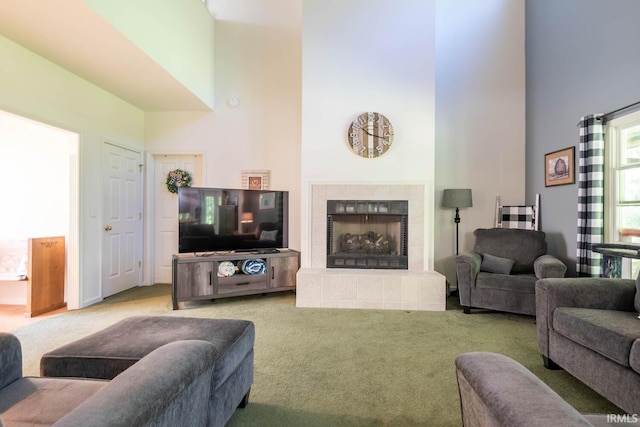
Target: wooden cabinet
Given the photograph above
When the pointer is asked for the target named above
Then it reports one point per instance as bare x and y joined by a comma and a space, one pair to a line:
195, 277
283, 272
45, 273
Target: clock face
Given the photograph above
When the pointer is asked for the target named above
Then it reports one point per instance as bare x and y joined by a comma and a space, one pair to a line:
370, 135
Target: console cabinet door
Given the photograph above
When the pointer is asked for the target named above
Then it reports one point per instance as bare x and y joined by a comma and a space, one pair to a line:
195, 279
283, 271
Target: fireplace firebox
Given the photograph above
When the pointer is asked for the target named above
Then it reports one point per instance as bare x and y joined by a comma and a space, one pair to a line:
371, 234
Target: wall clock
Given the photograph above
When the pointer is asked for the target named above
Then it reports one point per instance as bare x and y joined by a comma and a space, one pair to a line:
370, 135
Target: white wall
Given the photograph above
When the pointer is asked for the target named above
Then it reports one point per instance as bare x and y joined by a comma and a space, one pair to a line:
258, 61
480, 115
363, 56
451, 79
33, 87
35, 170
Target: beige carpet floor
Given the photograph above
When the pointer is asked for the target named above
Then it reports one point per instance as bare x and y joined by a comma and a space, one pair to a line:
337, 367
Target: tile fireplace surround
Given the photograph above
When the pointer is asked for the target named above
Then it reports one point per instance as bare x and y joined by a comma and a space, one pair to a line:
412, 289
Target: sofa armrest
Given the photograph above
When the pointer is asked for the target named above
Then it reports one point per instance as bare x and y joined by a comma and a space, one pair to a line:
600, 293
10, 359
468, 266
467, 269
169, 386
498, 391
548, 266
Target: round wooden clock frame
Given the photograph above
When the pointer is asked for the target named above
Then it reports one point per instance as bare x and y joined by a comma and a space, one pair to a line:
370, 135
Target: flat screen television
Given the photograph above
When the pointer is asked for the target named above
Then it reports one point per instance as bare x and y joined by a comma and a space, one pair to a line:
223, 219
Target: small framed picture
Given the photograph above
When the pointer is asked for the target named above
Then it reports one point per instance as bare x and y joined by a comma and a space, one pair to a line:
559, 167
255, 180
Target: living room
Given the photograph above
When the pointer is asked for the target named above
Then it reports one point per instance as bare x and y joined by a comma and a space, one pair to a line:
478, 94
459, 107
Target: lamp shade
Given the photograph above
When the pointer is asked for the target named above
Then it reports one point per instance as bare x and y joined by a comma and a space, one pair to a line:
246, 217
457, 198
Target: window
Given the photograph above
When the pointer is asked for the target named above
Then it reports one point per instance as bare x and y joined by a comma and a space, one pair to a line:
210, 209
622, 197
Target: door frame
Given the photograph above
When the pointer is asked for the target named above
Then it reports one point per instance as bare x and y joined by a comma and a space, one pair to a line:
149, 208
74, 293
74, 290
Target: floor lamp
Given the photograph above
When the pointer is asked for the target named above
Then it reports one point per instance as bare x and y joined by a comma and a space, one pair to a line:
457, 198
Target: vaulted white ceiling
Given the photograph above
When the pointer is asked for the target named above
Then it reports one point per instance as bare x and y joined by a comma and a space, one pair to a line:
72, 35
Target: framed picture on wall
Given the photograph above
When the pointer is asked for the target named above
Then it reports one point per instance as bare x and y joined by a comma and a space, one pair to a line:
559, 167
268, 201
255, 180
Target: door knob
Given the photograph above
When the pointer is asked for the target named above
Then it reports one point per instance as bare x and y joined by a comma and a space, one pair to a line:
107, 228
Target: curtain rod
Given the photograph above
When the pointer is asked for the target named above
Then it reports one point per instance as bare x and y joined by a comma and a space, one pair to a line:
620, 109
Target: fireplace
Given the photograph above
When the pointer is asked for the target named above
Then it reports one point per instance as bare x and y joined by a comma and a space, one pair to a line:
415, 287
367, 234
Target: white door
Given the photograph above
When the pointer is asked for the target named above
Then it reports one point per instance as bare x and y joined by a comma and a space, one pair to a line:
166, 210
122, 214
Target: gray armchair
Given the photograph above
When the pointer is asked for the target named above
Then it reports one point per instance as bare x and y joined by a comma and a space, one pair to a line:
589, 327
500, 272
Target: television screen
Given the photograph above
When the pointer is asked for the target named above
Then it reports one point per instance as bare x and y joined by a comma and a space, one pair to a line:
220, 219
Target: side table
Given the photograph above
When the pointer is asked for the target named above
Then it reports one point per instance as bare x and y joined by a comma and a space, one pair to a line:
616, 258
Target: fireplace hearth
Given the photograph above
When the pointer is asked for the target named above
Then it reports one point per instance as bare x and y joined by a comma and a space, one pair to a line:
367, 234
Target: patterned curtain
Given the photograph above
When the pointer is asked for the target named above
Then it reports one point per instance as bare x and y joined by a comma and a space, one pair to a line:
590, 194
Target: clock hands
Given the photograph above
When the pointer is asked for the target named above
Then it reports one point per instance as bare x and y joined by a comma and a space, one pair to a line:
370, 134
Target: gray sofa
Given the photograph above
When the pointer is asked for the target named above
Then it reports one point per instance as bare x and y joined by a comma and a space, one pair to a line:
168, 387
590, 328
497, 391
500, 272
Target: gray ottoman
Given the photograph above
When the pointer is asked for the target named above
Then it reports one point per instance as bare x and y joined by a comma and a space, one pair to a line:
107, 353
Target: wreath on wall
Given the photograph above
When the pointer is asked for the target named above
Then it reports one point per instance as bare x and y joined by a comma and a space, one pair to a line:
178, 178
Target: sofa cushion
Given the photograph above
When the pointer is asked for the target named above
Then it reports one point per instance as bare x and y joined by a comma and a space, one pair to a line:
523, 246
496, 264
610, 333
268, 235
43, 401
523, 283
